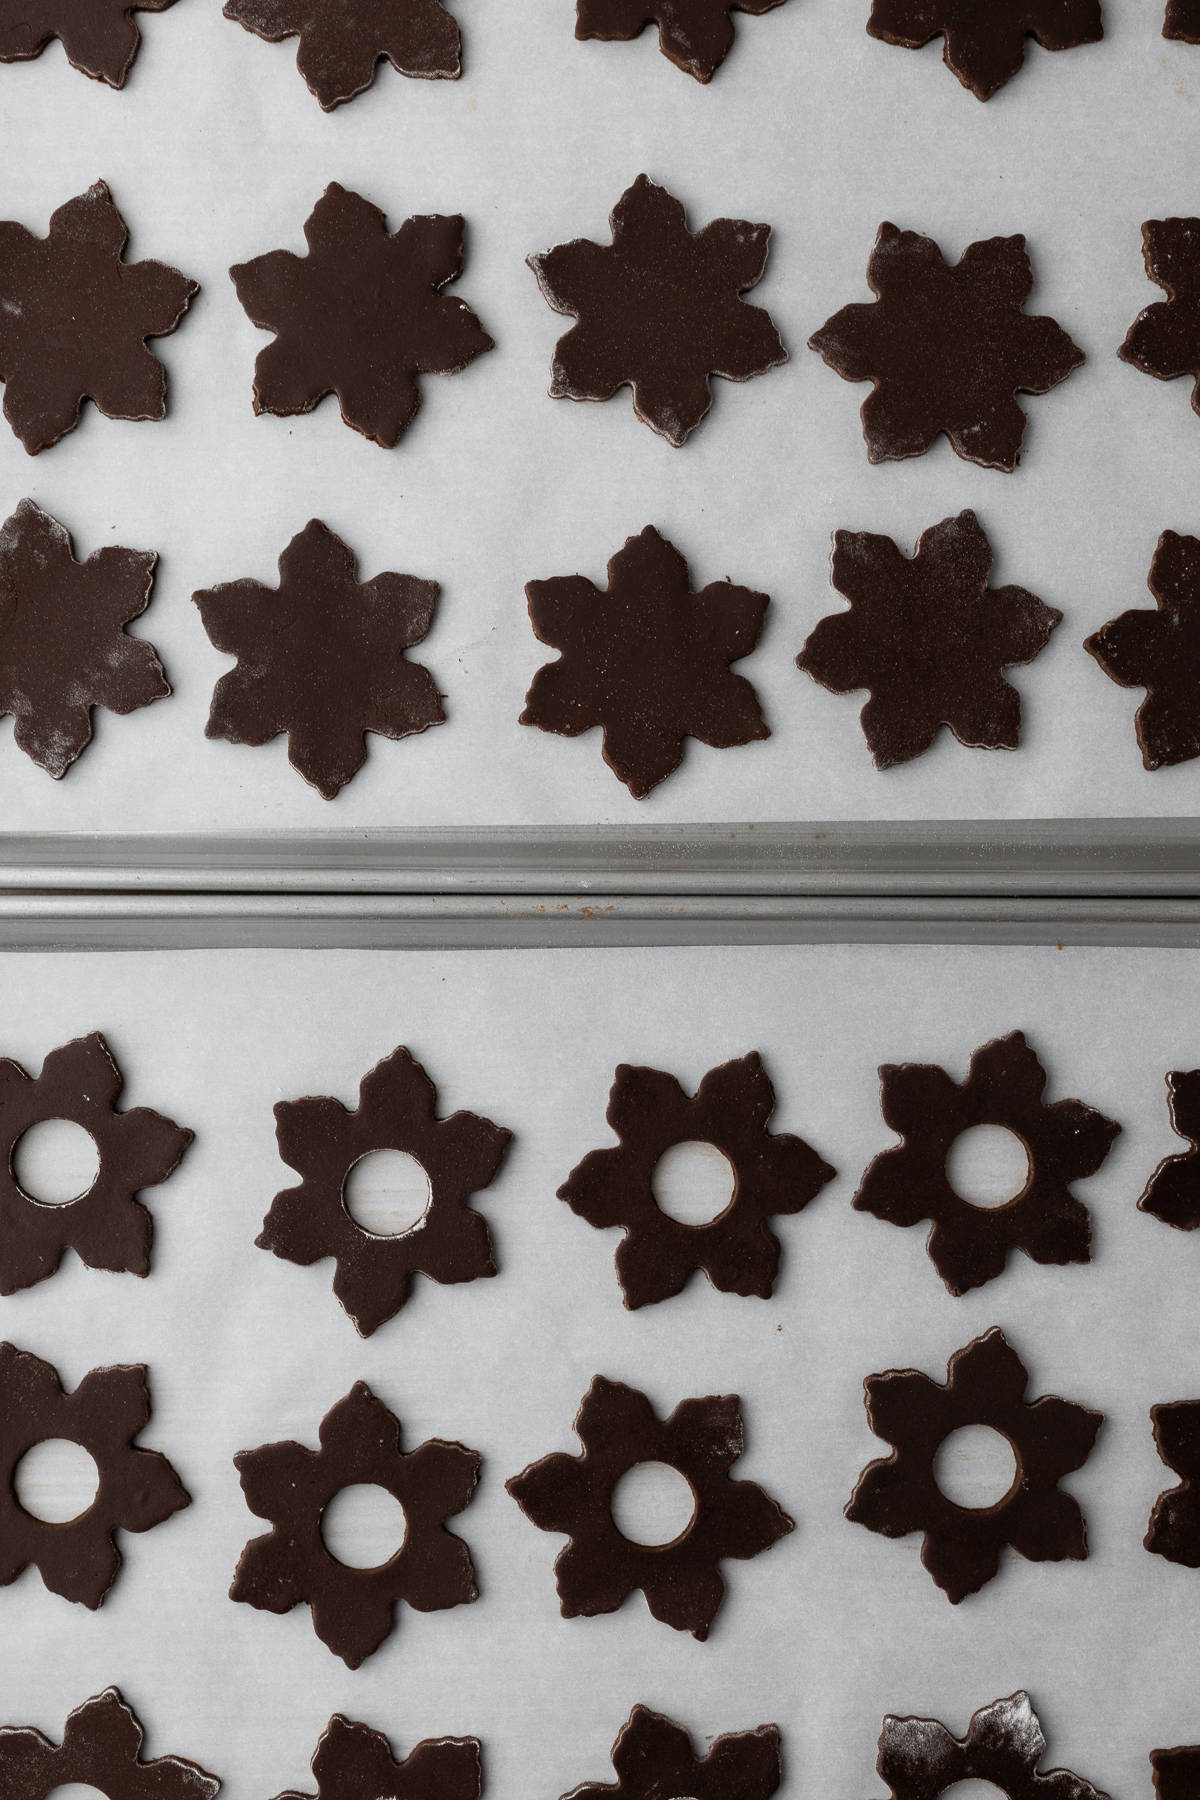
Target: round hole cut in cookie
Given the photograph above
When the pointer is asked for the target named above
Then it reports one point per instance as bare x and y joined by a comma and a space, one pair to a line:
360, 316
1172, 1193
919, 1759
970, 1244
352, 1762
1182, 21
948, 347
659, 310
107, 1227
929, 640
655, 1759
100, 37
985, 43
1160, 651
774, 1173
353, 1609
647, 660
322, 1140
321, 658
74, 319
599, 1568
986, 1384
697, 35
341, 45
1174, 1528
138, 1488
100, 1748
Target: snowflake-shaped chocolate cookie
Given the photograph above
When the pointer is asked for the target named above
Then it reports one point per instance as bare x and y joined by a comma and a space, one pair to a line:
321, 657
600, 1567
659, 310
341, 44
352, 1762
929, 639
1172, 1193
1176, 1773
985, 39
646, 660
74, 319
773, 1173
1160, 651
969, 1245
100, 37
100, 1749
322, 1140
1183, 21
1174, 1529
986, 1384
352, 1609
697, 35
137, 1488
920, 1759
948, 347
655, 1759
107, 1227
1164, 339
361, 316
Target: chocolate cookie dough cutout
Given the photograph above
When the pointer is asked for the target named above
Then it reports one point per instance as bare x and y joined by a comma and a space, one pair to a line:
1176, 1773
969, 1245
985, 44
659, 310
1183, 22
929, 640
986, 1384
63, 646
322, 1140
920, 1759
321, 658
74, 319
655, 1759
1172, 1193
341, 45
647, 660
1164, 339
352, 1762
600, 1568
1174, 1529
100, 37
948, 347
138, 1488
290, 1485
774, 1173
107, 1227
100, 1748
697, 35
1160, 651
361, 316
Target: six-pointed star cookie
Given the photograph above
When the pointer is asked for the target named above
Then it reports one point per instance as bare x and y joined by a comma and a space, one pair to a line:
697, 35
100, 37
1160, 651
321, 657
928, 638
659, 310
1172, 1193
74, 319
647, 660
1183, 21
361, 316
1164, 339
948, 347
100, 1750
655, 1759
920, 1759
340, 44
352, 1762
985, 39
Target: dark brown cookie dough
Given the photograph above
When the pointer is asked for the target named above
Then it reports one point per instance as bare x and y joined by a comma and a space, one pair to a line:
1160, 651
647, 660
659, 310
290, 1485
1183, 21
138, 1488
600, 1568
697, 35
100, 37
74, 319
1172, 1193
1164, 339
361, 316
1174, 1529
1176, 1773
100, 1748
929, 640
962, 1547
352, 1762
774, 1173
985, 43
655, 1759
340, 44
321, 657
948, 347
920, 1759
